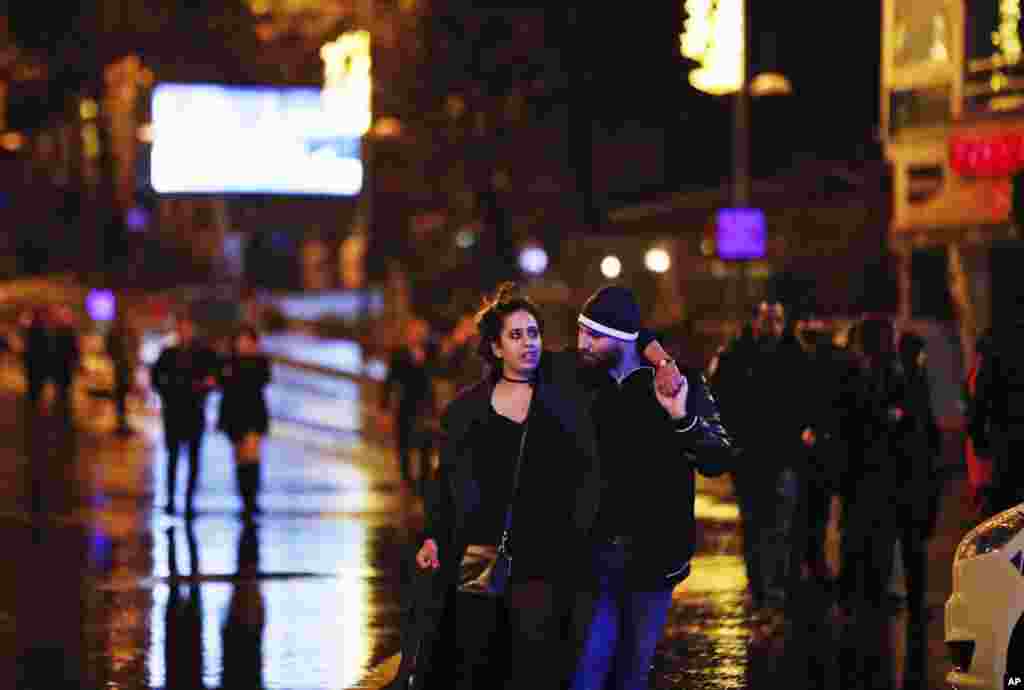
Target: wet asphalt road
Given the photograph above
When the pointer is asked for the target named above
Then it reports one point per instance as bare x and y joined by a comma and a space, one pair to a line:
101, 590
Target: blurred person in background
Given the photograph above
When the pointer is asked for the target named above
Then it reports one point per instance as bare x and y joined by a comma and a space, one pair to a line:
37, 352
243, 414
410, 380
996, 420
122, 345
875, 423
827, 454
915, 508
979, 467
183, 376
765, 360
66, 355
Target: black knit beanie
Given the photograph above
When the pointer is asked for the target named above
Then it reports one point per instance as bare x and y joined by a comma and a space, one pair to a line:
612, 311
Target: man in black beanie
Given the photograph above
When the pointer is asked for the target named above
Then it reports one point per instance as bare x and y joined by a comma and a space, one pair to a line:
649, 444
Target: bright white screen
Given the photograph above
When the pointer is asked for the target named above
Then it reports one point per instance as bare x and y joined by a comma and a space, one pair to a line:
227, 139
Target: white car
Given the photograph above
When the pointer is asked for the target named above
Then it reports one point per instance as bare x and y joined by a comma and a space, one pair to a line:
984, 626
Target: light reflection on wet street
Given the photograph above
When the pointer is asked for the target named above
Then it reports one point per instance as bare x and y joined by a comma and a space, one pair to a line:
102, 590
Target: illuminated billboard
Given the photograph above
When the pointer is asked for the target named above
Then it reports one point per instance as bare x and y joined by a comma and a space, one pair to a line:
210, 138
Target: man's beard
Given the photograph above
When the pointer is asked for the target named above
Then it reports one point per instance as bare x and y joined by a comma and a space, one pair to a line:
600, 360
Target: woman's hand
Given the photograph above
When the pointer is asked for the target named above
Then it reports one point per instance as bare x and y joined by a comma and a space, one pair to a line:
426, 557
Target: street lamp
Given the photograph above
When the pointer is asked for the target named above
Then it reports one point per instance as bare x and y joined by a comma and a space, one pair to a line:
657, 260
611, 267
533, 259
717, 35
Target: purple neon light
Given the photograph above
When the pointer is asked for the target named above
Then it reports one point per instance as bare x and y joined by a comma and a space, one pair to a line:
101, 305
740, 234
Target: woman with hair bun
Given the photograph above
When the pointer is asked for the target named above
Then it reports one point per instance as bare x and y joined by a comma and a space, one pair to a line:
484, 428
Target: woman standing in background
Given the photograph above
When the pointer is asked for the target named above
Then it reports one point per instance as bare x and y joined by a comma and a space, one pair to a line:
243, 414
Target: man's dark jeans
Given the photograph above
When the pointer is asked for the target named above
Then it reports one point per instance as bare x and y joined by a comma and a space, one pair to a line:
625, 629
194, 443
768, 502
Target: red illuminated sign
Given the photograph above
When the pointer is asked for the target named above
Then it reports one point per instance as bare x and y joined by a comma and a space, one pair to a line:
994, 155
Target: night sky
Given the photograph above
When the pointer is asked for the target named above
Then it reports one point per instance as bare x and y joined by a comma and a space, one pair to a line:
830, 54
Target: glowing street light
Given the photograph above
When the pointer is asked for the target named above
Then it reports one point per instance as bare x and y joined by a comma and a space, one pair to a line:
533, 260
101, 305
657, 260
611, 267
770, 84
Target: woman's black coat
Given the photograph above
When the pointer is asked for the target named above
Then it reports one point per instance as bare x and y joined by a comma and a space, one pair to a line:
455, 496
243, 405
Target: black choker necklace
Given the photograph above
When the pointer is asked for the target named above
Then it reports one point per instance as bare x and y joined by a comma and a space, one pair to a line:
516, 380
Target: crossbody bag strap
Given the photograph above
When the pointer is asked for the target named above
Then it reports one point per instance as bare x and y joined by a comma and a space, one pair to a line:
502, 547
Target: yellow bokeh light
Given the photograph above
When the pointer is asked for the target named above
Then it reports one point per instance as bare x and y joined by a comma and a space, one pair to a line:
1008, 38
611, 267
388, 127
88, 109
348, 87
12, 141
770, 84
697, 28
657, 260
713, 36
91, 141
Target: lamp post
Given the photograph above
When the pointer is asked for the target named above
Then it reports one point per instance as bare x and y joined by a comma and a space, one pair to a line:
741, 118
717, 36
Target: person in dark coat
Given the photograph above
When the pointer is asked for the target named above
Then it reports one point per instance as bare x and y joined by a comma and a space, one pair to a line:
827, 454
122, 345
243, 414
875, 423
651, 445
37, 352
183, 375
411, 371
493, 420
996, 418
916, 506
767, 358
557, 506
979, 468
66, 355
